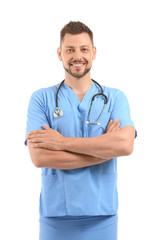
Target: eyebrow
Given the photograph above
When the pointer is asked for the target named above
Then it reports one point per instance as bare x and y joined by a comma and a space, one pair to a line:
80, 46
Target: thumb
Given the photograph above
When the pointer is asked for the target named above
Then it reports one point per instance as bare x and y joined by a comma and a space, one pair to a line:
46, 127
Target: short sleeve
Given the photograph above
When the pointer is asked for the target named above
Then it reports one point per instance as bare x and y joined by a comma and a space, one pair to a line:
121, 111
36, 113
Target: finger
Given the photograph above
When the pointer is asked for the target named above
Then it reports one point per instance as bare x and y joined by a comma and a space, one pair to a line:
31, 136
116, 127
40, 145
36, 140
113, 124
46, 127
110, 122
36, 145
108, 125
116, 122
36, 132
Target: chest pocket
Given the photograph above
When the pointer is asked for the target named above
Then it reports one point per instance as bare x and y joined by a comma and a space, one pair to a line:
95, 130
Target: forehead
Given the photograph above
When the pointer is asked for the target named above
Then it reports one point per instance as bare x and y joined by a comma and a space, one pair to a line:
76, 40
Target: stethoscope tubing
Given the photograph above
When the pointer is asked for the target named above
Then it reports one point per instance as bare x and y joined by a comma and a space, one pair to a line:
58, 112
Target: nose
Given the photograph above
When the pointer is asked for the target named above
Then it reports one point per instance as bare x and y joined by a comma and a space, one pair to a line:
77, 56
78, 59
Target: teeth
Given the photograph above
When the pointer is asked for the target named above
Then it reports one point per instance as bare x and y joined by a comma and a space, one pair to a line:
77, 65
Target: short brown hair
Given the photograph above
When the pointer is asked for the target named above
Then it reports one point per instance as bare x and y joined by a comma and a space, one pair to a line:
75, 28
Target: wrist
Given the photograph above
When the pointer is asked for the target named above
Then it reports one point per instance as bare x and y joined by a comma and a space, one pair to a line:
74, 144
65, 144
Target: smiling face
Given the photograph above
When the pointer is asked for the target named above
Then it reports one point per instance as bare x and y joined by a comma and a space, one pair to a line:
76, 54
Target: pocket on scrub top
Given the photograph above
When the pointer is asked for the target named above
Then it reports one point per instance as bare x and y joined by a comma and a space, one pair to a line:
96, 130
52, 202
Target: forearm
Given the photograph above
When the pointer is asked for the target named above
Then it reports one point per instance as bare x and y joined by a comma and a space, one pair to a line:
62, 159
105, 146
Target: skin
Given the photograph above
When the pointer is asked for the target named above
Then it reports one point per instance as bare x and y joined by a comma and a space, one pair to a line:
58, 159
78, 49
53, 140
74, 49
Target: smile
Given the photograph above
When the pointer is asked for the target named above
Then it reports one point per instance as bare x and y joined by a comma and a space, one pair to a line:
77, 64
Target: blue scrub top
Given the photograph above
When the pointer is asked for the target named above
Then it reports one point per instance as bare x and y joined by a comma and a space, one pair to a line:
83, 191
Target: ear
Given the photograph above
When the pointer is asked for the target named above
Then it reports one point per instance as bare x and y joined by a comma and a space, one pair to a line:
94, 52
59, 53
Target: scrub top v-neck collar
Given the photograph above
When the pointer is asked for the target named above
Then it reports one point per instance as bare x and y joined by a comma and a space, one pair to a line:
74, 98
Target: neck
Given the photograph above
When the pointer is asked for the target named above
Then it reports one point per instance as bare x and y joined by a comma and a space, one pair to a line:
78, 85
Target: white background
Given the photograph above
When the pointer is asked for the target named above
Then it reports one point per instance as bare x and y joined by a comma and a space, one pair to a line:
125, 37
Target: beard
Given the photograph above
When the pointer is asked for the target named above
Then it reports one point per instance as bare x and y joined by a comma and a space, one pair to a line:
77, 75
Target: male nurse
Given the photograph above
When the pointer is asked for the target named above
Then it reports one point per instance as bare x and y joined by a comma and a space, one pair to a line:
79, 198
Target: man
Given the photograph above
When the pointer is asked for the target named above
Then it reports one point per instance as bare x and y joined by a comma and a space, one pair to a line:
78, 159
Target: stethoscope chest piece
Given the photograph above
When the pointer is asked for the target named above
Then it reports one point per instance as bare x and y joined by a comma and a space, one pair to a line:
58, 113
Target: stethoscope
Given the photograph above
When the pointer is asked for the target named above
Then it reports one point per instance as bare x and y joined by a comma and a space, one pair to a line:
58, 112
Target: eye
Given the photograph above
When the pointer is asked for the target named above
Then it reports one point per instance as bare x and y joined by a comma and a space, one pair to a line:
69, 50
84, 49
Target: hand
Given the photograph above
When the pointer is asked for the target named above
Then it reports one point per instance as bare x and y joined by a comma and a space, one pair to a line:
113, 126
47, 138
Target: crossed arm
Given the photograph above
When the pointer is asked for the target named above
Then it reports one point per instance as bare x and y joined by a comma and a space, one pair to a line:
48, 148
